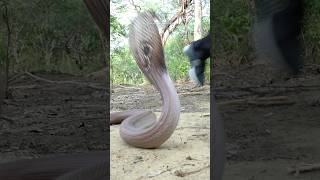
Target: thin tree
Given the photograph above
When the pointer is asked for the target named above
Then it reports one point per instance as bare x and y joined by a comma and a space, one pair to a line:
197, 20
6, 19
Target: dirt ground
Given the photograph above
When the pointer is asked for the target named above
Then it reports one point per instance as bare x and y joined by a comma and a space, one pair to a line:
186, 155
272, 122
44, 117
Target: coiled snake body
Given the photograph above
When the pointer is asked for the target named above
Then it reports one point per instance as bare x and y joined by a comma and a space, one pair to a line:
141, 128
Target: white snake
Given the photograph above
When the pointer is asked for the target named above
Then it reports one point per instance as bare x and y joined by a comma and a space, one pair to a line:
141, 128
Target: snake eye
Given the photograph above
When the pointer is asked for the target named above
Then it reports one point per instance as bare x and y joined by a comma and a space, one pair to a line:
146, 50
144, 55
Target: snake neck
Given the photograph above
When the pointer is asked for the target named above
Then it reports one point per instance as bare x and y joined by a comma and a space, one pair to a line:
170, 101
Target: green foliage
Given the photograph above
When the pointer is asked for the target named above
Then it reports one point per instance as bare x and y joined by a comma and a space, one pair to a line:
53, 35
116, 26
124, 68
177, 63
231, 28
312, 31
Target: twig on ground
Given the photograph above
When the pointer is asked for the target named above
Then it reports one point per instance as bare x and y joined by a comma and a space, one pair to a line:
23, 87
304, 168
265, 101
269, 87
41, 126
193, 93
223, 74
181, 173
193, 127
15, 77
119, 86
64, 82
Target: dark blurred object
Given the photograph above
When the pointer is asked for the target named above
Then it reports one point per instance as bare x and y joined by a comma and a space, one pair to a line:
219, 152
197, 52
276, 32
99, 11
93, 166
2, 88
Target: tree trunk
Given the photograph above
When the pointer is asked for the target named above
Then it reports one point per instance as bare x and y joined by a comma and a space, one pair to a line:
2, 87
197, 19
7, 62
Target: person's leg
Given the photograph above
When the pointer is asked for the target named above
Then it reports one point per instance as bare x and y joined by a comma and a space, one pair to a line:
197, 52
276, 32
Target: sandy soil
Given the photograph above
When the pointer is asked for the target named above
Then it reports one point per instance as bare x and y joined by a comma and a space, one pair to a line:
186, 155
265, 138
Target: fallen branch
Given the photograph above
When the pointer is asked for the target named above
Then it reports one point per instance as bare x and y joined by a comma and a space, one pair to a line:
269, 87
9, 102
15, 77
24, 87
181, 173
89, 106
64, 82
304, 168
265, 101
41, 126
193, 127
223, 74
119, 86
193, 93
205, 115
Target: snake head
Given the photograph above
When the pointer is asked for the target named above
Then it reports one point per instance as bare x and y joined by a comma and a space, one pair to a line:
146, 46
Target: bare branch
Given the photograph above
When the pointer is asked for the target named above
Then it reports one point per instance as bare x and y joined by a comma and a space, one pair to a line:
174, 21
136, 7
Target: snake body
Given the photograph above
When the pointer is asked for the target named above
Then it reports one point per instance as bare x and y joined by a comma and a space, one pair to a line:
140, 128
